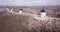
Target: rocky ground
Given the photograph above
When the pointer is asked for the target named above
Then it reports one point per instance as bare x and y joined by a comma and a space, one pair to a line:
25, 22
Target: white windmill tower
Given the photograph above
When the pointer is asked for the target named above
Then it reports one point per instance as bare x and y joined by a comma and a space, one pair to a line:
43, 13
20, 10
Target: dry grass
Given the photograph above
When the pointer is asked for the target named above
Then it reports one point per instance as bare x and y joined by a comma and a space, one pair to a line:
22, 23
12, 23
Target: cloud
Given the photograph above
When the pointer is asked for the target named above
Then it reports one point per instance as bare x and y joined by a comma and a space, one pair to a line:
29, 2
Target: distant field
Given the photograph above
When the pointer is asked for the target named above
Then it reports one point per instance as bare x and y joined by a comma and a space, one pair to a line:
50, 10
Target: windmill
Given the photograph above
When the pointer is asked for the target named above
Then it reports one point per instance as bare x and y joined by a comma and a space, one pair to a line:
20, 10
9, 10
43, 13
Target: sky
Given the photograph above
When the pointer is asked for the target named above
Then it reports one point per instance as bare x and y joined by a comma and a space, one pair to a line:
29, 2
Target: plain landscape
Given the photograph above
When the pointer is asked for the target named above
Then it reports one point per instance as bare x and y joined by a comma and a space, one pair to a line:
29, 19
